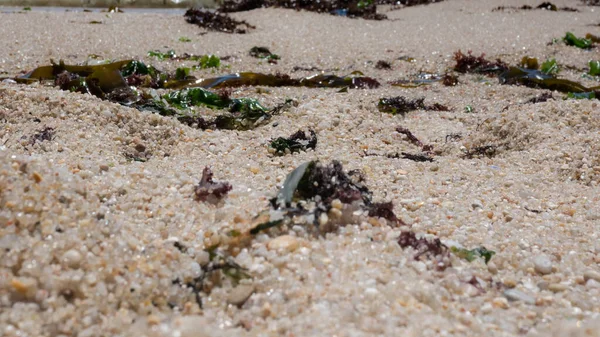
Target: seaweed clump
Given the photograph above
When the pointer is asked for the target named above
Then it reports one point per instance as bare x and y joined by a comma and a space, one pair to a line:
430, 249
401, 105
210, 191
366, 9
297, 142
324, 197
46, 134
216, 21
477, 64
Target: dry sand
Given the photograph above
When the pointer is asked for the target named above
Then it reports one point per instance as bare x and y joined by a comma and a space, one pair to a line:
87, 237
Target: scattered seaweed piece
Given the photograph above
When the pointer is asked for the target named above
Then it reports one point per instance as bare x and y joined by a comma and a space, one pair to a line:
571, 40
471, 254
471, 64
400, 105
415, 157
365, 9
417, 80
216, 21
544, 6
485, 150
185, 39
449, 80
431, 249
46, 134
538, 79
381, 64
297, 142
581, 95
209, 61
210, 191
263, 53
410, 136
593, 38
594, 68
540, 98
550, 67
529, 62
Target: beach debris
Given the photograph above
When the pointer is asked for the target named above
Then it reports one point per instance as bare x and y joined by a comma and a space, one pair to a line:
594, 68
484, 150
216, 21
581, 95
401, 105
210, 191
366, 9
417, 80
278, 80
432, 249
550, 67
381, 64
593, 38
571, 40
449, 80
529, 62
540, 98
472, 64
185, 39
263, 53
544, 6
472, 254
537, 79
46, 134
298, 141
413, 156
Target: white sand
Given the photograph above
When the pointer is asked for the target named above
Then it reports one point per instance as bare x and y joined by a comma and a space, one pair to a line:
87, 236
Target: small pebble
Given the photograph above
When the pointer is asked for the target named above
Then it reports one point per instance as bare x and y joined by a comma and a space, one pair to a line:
557, 287
285, 242
591, 275
72, 258
500, 302
542, 264
517, 295
240, 294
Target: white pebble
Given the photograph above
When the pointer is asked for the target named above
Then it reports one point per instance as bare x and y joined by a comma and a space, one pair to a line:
285, 242
591, 275
72, 258
542, 264
517, 295
240, 294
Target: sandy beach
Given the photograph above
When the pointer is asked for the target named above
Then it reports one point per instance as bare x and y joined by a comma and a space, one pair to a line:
102, 232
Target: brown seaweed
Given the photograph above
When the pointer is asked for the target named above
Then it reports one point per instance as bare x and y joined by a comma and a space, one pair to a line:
210, 191
216, 21
477, 64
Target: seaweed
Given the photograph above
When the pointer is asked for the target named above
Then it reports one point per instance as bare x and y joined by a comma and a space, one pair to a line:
294, 143
544, 6
263, 53
594, 68
46, 134
471, 64
400, 105
209, 61
484, 150
593, 38
529, 62
205, 61
417, 80
571, 40
416, 157
278, 80
449, 80
581, 95
383, 65
208, 190
365, 9
185, 39
550, 67
538, 79
472, 254
540, 98
216, 21
313, 190
431, 249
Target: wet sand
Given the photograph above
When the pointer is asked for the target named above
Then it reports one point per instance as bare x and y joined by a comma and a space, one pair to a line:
93, 243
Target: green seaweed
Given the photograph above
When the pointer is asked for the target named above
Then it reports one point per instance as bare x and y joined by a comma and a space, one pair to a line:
209, 61
263, 53
472, 254
185, 39
538, 79
170, 54
295, 143
594, 68
550, 67
581, 95
571, 40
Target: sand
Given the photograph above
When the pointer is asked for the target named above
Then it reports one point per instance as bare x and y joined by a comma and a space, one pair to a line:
95, 244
